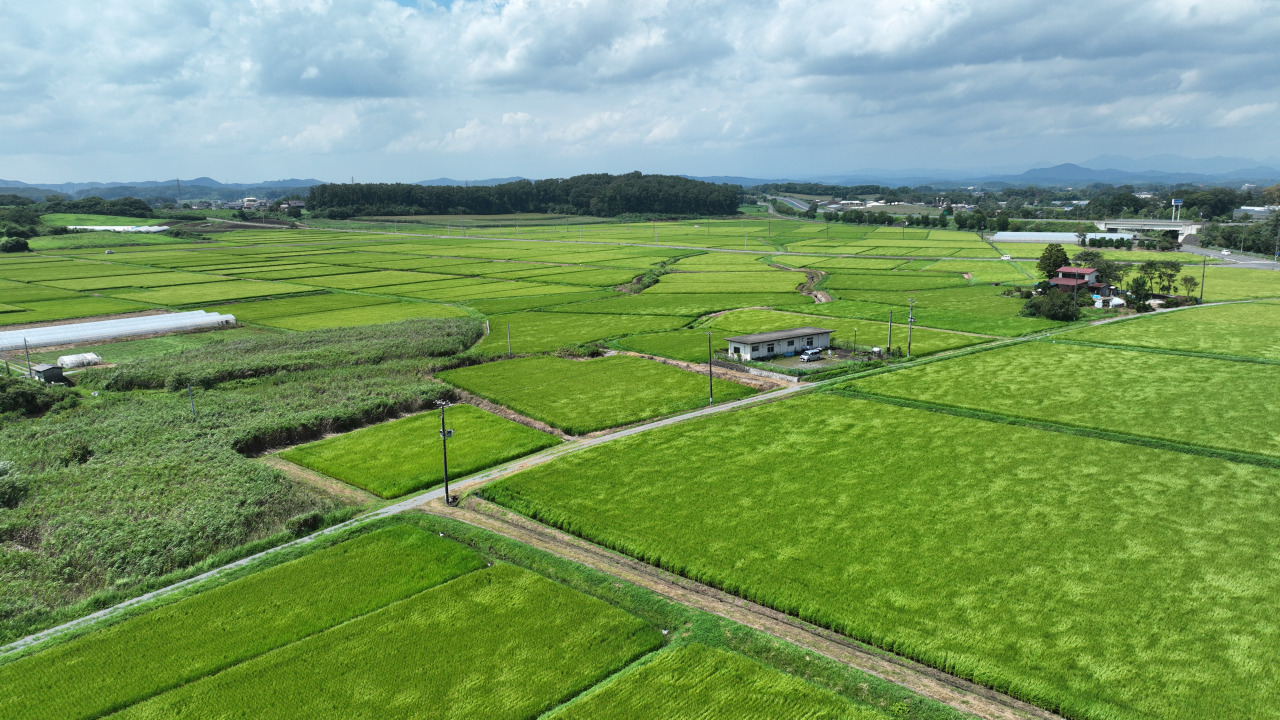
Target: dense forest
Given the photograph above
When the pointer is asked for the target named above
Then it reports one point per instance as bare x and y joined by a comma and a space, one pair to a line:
601, 195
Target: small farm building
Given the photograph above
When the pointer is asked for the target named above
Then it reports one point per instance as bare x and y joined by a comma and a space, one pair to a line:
778, 342
1074, 279
48, 373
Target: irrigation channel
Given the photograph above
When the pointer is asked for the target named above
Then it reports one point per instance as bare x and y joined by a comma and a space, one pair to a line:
953, 691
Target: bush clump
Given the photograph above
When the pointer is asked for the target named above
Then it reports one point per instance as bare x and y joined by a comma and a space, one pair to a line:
26, 396
1053, 305
305, 524
261, 356
14, 245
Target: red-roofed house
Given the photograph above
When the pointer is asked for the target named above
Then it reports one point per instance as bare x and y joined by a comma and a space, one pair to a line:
1074, 279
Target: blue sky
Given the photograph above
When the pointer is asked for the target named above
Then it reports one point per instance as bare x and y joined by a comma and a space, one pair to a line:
263, 89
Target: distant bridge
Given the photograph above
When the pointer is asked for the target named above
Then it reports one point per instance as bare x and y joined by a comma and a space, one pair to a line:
1183, 227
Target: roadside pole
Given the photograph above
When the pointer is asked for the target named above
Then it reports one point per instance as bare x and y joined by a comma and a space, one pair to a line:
711, 388
1204, 263
911, 321
449, 499
27, 350
888, 348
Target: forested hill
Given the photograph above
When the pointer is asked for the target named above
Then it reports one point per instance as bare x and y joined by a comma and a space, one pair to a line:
601, 195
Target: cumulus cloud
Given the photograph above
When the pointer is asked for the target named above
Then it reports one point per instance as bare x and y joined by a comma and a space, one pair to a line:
257, 89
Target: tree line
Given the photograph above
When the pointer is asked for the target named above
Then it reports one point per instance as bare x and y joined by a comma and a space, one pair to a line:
601, 195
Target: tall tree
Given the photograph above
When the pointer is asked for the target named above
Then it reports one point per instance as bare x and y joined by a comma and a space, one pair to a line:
1108, 272
1189, 284
1051, 259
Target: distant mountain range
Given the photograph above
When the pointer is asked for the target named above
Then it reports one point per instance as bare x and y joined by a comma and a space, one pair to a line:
1109, 169
477, 183
72, 187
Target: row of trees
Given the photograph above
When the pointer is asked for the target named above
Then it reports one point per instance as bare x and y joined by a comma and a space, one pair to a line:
1262, 238
601, 195
123, 207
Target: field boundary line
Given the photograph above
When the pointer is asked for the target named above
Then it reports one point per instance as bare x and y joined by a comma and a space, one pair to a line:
1169, 351
932, 683
1155, 443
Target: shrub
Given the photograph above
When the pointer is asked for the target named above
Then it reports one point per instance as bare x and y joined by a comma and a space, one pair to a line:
580, 350
30, 397
77, 452
14, 244
1053, 305
305, 524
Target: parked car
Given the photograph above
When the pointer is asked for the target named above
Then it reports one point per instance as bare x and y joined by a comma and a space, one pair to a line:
1226, 252
810, 355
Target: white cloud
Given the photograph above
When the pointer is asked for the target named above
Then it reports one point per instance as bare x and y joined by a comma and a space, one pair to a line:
544, 87
1246, 114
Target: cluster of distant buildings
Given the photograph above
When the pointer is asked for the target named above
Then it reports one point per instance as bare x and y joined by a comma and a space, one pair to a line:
838, 206
1255, 212
251, 203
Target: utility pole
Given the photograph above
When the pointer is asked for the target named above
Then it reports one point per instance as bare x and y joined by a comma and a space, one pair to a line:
1204, 262
711, 388
889, 346
911, 321
449, 499
28, 352
508, 340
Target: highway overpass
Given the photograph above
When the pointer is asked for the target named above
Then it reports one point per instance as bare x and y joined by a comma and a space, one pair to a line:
1182, 227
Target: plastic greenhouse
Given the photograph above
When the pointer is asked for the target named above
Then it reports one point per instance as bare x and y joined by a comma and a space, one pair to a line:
76, 333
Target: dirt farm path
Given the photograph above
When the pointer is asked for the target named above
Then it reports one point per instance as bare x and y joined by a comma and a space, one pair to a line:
935, 684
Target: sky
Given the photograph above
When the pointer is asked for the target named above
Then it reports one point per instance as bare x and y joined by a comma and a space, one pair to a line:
380, 91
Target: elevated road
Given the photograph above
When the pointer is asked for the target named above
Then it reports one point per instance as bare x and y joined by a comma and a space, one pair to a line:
1182, 227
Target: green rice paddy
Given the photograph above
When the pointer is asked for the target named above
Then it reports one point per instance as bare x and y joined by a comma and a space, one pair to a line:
209, 632
1133, 392
499, 642
403, 456
548, 331
580, 396
1245, 329
695, 681
944, 539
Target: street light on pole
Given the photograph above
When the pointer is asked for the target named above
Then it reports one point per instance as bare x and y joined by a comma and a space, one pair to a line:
449, 499
711, 388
